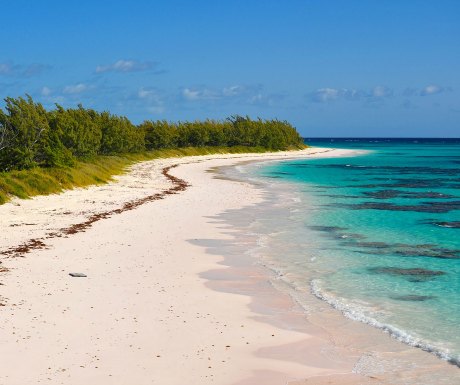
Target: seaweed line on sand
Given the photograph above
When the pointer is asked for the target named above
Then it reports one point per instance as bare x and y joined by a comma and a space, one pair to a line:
38, 243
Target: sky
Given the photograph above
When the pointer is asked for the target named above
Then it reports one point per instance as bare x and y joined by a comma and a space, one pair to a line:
388, 68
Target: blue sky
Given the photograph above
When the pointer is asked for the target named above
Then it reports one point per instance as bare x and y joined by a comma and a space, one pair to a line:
332, 68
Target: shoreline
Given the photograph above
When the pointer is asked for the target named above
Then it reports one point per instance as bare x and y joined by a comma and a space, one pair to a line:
416, 365
142, 183
141, 280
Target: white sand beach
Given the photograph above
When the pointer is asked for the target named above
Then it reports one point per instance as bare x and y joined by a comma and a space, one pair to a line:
155, 307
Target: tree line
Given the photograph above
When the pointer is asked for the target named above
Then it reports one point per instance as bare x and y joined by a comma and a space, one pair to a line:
31, 136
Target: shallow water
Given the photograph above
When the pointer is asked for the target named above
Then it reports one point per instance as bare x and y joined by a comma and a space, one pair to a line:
376, 236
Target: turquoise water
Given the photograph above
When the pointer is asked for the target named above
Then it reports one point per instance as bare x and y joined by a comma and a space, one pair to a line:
376, 235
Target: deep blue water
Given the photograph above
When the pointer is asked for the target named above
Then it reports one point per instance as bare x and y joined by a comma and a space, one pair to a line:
375, 235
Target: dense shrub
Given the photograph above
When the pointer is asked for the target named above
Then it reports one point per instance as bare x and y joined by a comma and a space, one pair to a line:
30, 136
78, 130
26, 138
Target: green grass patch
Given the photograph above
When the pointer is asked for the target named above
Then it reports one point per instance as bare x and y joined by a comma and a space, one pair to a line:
98, 170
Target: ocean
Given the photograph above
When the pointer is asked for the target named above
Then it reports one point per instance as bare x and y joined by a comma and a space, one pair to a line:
377, 236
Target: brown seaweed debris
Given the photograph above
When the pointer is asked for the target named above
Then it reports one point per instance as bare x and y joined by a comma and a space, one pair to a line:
37, 243
31, 244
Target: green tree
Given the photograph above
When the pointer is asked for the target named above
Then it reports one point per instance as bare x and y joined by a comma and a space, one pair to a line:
119, 135
78, 130
159, 134
30, 136
31, 142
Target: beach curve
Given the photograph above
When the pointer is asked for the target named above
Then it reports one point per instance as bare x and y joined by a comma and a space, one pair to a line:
145, 313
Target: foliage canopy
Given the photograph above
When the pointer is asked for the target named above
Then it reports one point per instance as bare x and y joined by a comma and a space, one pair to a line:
31, 136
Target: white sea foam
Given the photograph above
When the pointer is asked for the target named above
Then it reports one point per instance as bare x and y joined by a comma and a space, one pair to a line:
355, 313
271, 252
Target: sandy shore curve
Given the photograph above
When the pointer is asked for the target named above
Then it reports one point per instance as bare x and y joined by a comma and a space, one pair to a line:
154, 307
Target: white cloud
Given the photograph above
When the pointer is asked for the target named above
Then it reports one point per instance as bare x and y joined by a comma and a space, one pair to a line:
200, 94
256, 99
145, 93
149, 94
323, 95
125, 66
76, 89
431, 90
252, 94
45, 91
233, 90
152, 98
381, 92
351, 94
189, 94
268, 100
